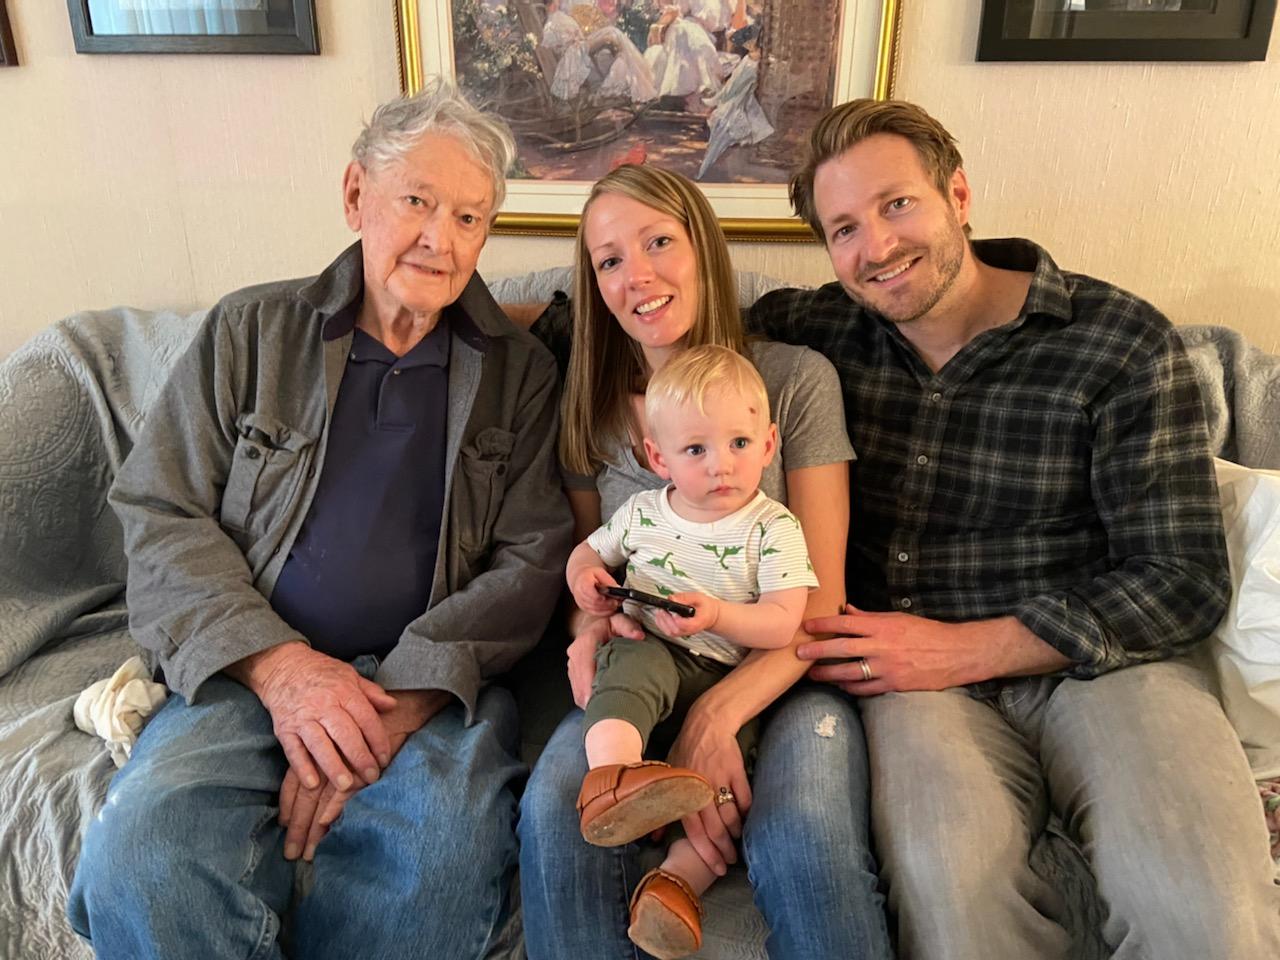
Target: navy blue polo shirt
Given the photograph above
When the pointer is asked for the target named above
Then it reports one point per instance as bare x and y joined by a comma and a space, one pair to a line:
361, 568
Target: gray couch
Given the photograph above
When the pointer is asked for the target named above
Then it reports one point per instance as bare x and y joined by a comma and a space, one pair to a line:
71, 403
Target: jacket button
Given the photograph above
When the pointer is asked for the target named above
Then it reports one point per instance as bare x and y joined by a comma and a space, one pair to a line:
252, 453
502, 470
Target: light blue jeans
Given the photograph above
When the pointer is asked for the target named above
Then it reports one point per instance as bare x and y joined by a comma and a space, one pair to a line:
186, 858
805, 843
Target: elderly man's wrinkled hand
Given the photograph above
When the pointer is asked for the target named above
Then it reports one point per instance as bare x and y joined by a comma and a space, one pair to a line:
306, 813
324, 714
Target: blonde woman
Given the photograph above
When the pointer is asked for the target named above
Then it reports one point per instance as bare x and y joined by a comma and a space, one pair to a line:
652, 278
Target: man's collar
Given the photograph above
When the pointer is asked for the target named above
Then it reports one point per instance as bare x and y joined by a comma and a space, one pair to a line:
339, 286
475, 316
1048, 294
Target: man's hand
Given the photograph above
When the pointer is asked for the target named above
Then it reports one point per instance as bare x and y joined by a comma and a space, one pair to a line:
323, 712
706, 613
906, 652
307, 813
586, 594
582, 652
706, 745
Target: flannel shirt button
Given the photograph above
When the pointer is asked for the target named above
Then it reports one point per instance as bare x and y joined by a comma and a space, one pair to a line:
903, 557
936, 397
395, 372
922, 459
905, 602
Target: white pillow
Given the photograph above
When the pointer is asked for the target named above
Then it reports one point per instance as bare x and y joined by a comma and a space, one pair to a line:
1246, 646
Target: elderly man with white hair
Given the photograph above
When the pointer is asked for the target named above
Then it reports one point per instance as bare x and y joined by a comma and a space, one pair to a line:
343, 482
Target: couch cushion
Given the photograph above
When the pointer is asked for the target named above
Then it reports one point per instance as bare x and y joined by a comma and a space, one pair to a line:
71, 401
1245, 649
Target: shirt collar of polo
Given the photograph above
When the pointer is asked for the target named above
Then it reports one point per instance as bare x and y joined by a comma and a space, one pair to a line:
431, 351
475, 317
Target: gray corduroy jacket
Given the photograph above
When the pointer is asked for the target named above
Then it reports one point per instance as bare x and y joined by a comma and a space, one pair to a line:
215, 491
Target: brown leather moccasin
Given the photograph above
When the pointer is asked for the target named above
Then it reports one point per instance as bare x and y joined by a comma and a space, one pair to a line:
622, 802
666, 916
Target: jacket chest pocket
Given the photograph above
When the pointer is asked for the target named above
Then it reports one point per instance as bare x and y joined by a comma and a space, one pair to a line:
484, 465
266, 469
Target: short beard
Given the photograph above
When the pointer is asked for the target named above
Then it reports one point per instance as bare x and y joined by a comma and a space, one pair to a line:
948, 250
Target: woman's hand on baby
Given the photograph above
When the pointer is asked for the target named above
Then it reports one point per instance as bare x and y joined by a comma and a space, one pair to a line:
582, 651
711, 748
706, 614
586, 592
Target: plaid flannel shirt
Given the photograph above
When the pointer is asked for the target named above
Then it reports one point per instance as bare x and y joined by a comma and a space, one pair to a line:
1056, 469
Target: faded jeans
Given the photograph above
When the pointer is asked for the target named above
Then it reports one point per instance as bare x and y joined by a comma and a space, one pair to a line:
186, 858
1144, 771
805, 844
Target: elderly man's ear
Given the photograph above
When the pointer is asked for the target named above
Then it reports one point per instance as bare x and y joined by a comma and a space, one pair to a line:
353, 185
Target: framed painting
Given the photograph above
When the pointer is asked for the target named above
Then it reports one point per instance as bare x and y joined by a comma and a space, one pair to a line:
723, 91
1125, 29
8, 52
194, 26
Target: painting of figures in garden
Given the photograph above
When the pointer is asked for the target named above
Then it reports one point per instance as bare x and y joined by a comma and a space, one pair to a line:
722, 91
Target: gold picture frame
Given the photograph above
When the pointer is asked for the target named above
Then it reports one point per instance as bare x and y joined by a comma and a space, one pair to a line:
867, 52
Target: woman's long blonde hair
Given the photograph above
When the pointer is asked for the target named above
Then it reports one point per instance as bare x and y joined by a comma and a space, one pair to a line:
606, 366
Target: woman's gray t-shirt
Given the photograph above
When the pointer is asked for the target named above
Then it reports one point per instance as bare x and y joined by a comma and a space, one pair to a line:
806, 403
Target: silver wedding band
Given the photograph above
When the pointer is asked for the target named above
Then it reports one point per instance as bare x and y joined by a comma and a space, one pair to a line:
866, 670
724, 795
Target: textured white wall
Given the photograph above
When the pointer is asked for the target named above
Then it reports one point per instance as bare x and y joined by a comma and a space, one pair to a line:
168, 181
1160, 177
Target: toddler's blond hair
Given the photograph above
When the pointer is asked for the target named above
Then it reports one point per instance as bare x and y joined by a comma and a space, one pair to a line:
691, 375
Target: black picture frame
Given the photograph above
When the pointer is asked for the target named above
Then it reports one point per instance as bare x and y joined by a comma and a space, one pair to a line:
302, 37
1115, 33
8, 52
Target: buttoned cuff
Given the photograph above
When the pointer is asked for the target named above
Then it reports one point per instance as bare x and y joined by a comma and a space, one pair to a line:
1073, 632
218, 647
432, 666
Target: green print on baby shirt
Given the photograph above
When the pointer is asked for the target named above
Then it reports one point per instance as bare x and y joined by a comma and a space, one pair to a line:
665, 561
645, 521
722, 556
765, 551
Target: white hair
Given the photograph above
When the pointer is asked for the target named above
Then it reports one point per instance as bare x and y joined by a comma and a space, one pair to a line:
397, 126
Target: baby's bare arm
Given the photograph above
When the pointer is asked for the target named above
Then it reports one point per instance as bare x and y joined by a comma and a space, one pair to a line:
767, 624
585, 572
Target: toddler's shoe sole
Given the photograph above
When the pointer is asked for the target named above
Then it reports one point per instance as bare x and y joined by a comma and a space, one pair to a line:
620, 802
666, 916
